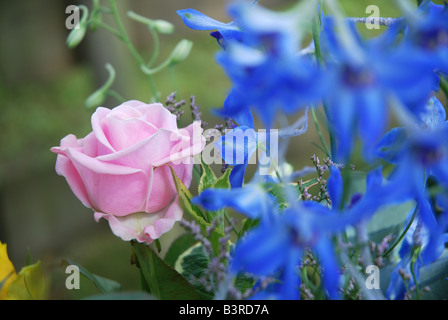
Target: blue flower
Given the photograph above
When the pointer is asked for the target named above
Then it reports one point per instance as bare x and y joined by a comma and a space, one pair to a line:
267, 72
262, 60
237, 148
199, 21
420, 152
276, 247
417, 239
363, 79
429, 33
252, 200
268, 83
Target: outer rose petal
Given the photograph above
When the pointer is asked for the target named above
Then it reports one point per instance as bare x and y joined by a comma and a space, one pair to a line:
65, 168
110, 188
142, 226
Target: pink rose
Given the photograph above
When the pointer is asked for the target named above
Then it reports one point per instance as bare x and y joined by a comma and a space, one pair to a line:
122, 169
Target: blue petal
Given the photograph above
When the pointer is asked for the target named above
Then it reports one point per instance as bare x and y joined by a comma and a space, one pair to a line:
391, 146
238, 145
290, 288
236, 177
251, 200
330, 267
263, 251
343, 115
199, 21
373, 120
244, 118
374, 179
335, 187
434, 115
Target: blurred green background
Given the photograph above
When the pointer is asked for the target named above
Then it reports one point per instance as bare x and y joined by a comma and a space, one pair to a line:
43, 86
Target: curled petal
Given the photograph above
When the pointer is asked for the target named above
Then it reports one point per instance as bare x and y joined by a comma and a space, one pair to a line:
142, 226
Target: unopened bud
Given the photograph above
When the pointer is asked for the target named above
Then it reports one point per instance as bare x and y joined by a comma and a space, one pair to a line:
181, 51
96, 99
95, 18
76, 35
163, 26
99, 96
79, 31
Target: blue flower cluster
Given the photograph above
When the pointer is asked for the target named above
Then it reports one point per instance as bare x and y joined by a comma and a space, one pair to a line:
362, 85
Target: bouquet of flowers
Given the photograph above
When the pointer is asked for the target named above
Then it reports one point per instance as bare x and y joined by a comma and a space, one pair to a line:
366, 219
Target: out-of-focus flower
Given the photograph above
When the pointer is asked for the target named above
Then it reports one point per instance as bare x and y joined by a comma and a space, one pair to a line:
420, 152
363, 84
237, 148
429, 33
199, 21
122, 168
262, 60
267, 71
416, 241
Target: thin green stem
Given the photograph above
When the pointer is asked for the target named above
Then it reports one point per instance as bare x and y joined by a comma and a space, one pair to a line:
116, 95
155, 54
108, 28
127, 41
226, 215
414, 277
392, 247
444, 85
317, 50
319, 132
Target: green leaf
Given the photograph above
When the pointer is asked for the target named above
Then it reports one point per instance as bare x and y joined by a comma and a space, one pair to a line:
163, 280
435, 277
208, 177
103, 284
223, 181
193, 265
244, 282
248, 224
30, 284
185, 199
389, 218
179, 246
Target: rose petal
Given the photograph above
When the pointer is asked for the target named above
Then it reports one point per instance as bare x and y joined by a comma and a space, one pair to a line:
192, 142
143, 227
158, 115
154, 149
65, 168
164, 189
97, 116
111, 188
124, 133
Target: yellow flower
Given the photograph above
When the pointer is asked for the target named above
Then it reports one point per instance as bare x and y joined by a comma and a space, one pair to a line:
7, 272
28, 284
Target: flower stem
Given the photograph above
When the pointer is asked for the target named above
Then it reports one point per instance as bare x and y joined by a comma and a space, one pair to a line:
316, 32
388, 251
319, 132
127, 41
